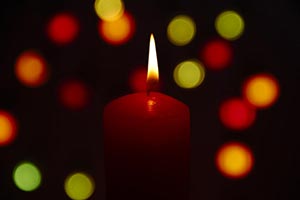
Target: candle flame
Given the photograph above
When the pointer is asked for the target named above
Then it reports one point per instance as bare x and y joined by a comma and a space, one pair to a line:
152, 75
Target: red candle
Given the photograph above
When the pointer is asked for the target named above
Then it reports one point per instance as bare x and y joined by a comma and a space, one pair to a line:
147, 144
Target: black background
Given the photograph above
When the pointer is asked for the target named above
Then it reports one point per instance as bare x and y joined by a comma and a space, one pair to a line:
61, 141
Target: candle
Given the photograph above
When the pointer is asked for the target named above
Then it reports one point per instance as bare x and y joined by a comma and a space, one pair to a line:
147, 143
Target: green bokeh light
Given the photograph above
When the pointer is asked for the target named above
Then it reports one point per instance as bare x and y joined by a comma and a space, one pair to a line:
79, 186
230, 25
181, 30
189, 74
27, 176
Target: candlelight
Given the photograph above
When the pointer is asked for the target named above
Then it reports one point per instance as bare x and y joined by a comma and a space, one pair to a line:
152, 75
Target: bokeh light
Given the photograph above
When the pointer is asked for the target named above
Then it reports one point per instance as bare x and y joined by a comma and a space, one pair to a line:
181, 30
63, 28
79, 186
234, 160
119, 31
74, 94
189, 74
109, 10
217, 54
236, 114
27, 176
138, 79
31, 69
261, 90
8, 128
230, 25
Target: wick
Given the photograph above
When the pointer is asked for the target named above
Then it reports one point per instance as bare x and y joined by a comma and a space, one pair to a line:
152, 85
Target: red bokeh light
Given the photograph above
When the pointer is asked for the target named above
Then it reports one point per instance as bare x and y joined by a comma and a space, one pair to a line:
74, 94
236, 114
217, 54
63, 28
8, 128
138, 79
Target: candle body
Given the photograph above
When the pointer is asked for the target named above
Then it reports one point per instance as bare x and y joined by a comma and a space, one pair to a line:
147, 148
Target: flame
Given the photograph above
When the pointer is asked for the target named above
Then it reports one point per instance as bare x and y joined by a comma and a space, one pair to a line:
152, 75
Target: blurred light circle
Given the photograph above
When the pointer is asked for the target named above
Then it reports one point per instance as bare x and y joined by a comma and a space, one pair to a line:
189, 74
229, 25
119, 31
181, 30
109, 10
63, 28
236, 114
27, 176
31, 69
8, 128
74, 94
261, 90
217, 54
234, 160
138, 79
79, 186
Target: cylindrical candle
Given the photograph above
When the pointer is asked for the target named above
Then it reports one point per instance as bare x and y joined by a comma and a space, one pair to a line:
147, 147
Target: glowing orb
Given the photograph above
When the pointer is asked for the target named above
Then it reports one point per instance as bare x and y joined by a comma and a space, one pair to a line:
79, 186
109, 10
74, 94
27, 176
31, 69
234, 160
63, 28
8, 128
236, 114
229, 25
261, 90
181, 30
189, 74
217, 54
138, 80
119, 31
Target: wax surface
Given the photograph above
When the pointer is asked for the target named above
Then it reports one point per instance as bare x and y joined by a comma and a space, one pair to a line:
147, 147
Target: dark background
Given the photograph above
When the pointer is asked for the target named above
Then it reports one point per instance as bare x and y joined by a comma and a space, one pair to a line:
60, 141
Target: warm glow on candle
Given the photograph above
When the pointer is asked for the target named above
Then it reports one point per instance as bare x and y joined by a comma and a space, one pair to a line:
152, 75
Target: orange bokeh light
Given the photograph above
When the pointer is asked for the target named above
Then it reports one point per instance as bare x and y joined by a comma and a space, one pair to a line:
217, 54
234, 160
31, 69
74, 94
63, 28
236, 114
119, 31
261, 90
8, 128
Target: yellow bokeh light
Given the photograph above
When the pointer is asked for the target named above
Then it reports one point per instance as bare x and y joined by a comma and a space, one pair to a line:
234, 160
261, 90
79, 186
181, 30
189, 74
119, 31
31, 69
109, 10
230, 25
27, 176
